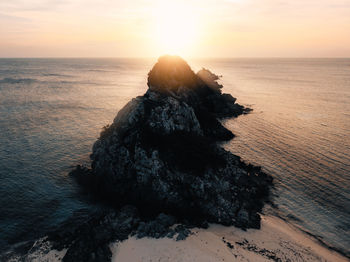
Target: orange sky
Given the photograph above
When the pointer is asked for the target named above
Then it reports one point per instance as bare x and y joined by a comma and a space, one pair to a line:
206, 28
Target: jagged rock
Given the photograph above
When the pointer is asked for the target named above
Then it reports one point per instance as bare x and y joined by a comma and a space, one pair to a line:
159, 164
182, 231
157, 228
160, 153
210, 79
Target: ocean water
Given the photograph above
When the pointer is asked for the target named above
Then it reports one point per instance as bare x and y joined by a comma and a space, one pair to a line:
52, 111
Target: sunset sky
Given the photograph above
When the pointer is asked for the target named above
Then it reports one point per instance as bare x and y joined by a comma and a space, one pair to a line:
204, 28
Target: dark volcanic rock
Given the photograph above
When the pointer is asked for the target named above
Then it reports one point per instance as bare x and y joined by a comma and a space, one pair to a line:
157, 228
89, 240
159, 164
160, 152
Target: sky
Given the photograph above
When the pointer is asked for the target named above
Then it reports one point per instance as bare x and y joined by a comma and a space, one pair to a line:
191, 28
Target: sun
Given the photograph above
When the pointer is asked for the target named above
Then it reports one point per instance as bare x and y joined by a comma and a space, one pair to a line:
176, 28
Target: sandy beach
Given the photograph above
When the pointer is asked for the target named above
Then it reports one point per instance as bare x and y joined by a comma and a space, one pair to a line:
275, 241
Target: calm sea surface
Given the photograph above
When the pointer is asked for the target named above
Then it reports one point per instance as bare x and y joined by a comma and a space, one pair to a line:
52, 111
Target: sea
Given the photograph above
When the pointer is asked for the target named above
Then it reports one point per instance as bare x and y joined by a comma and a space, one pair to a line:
52, 111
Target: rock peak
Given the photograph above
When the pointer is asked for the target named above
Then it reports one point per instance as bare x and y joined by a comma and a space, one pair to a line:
160, 152
171, 73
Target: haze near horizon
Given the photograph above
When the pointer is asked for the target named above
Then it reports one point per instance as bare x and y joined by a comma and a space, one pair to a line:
207, 28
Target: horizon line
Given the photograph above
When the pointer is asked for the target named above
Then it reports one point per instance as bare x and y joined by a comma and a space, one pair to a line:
156, 57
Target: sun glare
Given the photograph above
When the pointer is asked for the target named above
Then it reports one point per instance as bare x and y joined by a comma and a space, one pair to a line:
176, 28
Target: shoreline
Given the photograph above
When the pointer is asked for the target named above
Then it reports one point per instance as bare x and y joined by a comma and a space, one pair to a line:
315, 238
277, 240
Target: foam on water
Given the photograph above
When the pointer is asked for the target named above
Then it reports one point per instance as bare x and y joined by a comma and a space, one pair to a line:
52, 110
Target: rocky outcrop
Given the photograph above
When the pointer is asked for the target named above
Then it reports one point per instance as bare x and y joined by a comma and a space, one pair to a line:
160, 154
159, 164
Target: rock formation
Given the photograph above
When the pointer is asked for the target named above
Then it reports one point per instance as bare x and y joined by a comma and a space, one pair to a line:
160, 154
159, 164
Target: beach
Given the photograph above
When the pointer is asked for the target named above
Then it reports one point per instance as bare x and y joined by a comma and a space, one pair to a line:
277, 240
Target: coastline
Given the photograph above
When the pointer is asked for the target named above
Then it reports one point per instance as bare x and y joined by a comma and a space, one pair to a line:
277, 240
